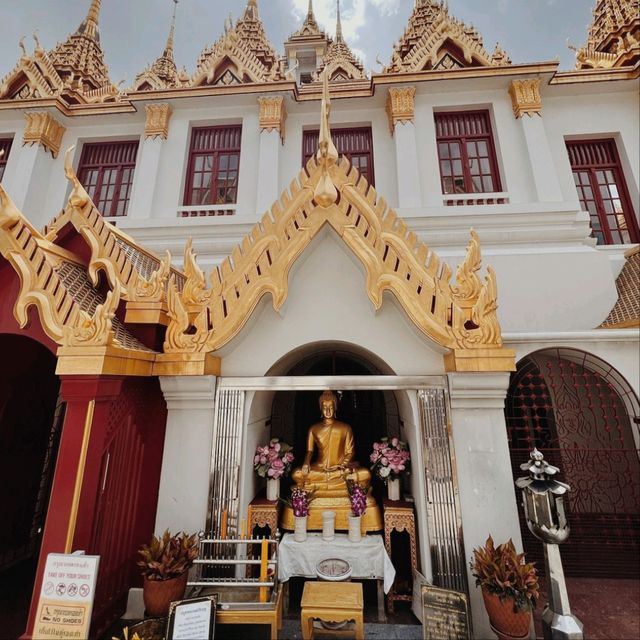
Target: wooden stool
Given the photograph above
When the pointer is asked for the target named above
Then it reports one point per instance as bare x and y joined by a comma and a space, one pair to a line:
332, 602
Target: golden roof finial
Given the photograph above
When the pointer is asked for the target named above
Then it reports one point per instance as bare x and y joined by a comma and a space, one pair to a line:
168, 50
90, 26
251, 12
325, 193
338, 25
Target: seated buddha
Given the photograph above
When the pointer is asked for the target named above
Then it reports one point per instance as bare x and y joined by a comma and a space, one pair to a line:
327, 464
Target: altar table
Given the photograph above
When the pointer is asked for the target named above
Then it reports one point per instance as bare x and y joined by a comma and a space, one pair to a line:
368, 559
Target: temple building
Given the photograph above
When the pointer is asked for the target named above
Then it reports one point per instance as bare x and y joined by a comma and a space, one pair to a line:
449, 244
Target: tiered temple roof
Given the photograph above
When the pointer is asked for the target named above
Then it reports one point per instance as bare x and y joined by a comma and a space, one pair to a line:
435, 40
339, 61
75, 70
163, 73
614, 36
242, 54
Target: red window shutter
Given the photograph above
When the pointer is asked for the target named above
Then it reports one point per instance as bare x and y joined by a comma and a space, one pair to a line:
602, 191
356, 144
466, 152
106, 172
5, 145
214, 166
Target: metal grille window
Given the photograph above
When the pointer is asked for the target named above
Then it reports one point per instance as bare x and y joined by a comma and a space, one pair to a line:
356, 144
5, 145
602, 191
214, 164
466, 153
106, 172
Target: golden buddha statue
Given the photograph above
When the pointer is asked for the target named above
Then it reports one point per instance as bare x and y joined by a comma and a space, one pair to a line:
326, 477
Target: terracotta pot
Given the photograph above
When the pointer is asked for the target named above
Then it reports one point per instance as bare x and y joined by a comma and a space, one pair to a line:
504, 621
159, 594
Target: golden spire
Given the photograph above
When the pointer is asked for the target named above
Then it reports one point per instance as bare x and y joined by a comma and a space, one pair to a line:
90, 25
168, 50
310, 15
251, 10
338, 25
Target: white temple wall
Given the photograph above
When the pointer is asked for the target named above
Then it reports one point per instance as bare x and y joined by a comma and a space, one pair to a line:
327, 301
574, 117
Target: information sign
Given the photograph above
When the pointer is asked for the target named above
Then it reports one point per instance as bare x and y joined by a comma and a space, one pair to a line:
66, 597
192, 619
445, 614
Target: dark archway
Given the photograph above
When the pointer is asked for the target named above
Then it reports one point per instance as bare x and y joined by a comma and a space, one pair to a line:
372, 414
582, 415
31, 416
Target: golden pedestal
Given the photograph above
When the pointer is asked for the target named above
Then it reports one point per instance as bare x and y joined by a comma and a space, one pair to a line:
332, 602
371, 520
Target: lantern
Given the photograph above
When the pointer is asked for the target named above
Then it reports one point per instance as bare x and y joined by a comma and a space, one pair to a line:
543, 502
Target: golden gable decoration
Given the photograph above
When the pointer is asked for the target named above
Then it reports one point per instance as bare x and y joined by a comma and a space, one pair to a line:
462, 319
74, 70
614, 36
157, 121
435, 40
241, 55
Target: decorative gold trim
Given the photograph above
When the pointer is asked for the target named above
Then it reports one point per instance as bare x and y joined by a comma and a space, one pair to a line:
464, 319
112, 360
400, 106
273, 114
525, 97
43, 129
77, 490
157, 122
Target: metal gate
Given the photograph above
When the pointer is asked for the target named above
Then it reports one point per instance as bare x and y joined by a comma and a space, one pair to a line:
443, 506
563, 402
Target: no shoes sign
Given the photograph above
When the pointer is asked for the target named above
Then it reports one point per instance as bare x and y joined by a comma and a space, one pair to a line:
66, 597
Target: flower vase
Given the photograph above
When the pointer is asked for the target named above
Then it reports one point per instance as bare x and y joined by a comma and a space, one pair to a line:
300, 528
328, 525
355, 528
393, 489
273, 489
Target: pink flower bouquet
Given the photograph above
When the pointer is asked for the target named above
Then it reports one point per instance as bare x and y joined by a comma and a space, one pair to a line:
390, 458
273, 460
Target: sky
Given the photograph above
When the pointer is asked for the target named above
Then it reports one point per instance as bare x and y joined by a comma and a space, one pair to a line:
133, 32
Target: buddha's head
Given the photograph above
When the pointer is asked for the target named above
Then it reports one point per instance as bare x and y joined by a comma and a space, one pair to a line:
328, 404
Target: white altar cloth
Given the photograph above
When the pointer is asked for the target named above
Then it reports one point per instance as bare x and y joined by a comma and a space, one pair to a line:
368, 558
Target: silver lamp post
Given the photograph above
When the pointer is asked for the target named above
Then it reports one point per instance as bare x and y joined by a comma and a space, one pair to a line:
543, 501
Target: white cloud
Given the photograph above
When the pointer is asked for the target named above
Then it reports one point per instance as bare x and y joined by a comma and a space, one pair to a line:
386, 7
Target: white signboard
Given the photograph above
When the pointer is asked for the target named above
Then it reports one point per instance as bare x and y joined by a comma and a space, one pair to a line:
192, 619
66, 597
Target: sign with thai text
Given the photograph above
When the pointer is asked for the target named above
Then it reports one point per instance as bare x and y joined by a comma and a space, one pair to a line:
66, 597
445, 614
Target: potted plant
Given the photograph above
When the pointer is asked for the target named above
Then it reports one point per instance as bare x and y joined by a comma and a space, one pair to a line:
358, 499
165, 566
272, 462
390, 459
509, 587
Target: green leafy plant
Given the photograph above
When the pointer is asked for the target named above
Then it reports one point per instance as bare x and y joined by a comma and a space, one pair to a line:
504, 572
168, 556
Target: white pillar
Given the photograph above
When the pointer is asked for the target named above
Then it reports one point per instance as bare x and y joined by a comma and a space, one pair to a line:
186, 460
146, 175
409, 195
29, 172
487, 491
269, 158
542, 166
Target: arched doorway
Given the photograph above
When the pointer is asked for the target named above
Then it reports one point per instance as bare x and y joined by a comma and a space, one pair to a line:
582, 414
372, 414
31, 416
